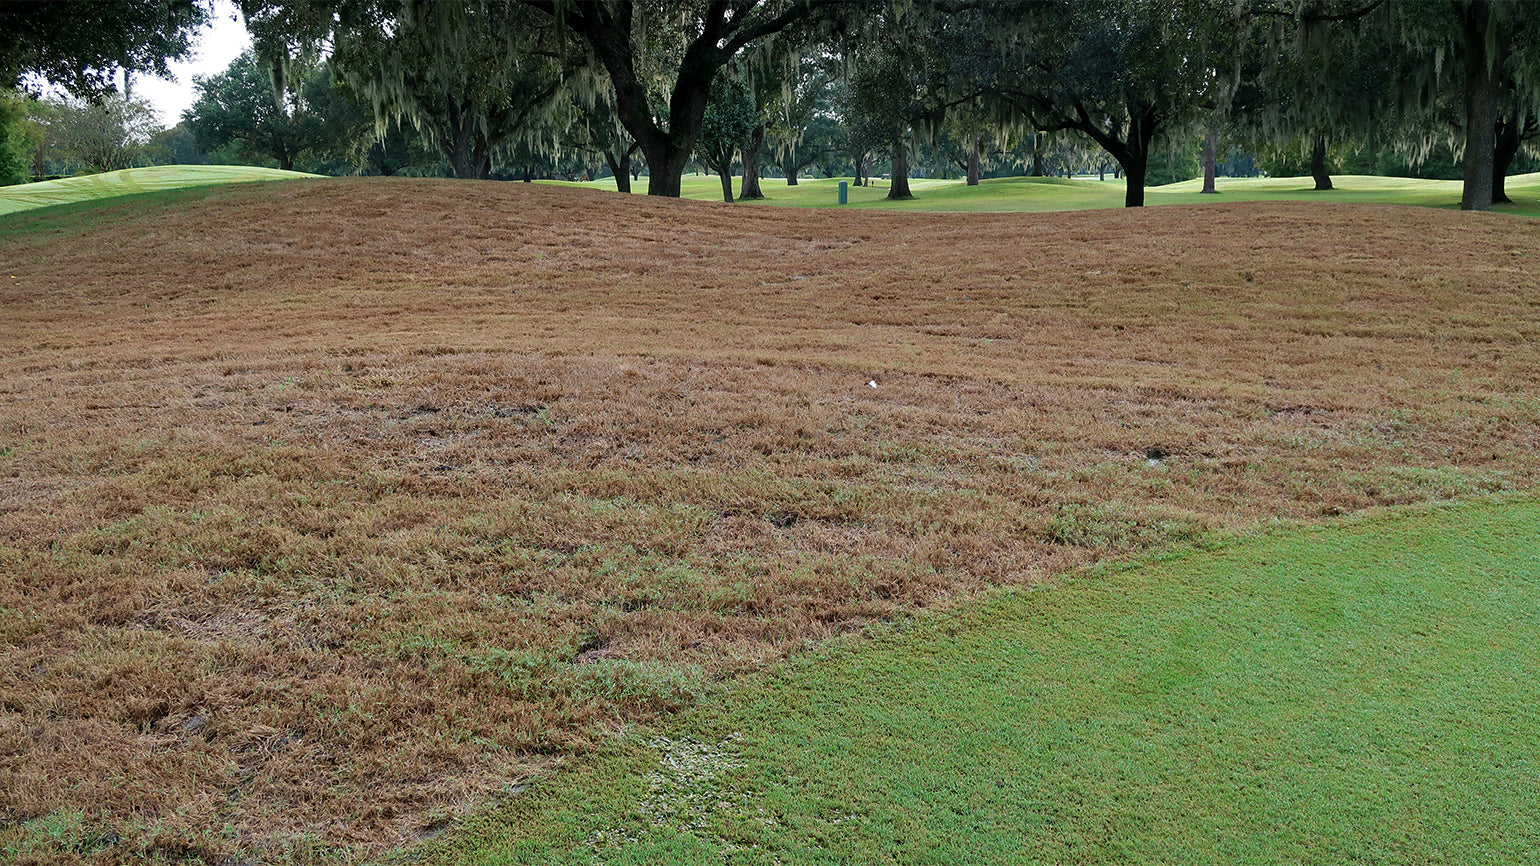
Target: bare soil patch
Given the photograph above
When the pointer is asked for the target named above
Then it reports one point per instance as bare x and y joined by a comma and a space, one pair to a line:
331, 510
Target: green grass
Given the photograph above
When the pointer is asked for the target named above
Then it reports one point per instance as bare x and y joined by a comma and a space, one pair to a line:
130, 181
1042, 194
1356, 694
1013, 194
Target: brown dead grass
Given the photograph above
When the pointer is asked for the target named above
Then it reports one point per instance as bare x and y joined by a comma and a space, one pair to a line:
329, 510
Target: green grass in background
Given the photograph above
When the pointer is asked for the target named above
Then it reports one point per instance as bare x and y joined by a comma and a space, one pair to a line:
1356, 694
1006, 194
1042, 194
129, 181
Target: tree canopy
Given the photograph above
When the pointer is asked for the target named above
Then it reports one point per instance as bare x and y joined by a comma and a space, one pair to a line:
581, 85
81, 46
470, 77
725, 128
683, 45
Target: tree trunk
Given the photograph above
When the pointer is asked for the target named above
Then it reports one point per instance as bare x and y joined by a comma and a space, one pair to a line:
1133, 155
1135, 170
1037, 158
860, 169
667, 153
1101, 172
1210, 160
898, 190
789, 167
1510, 132
1481, 71
666, 166
973, 165
466, 159
749, 189
462, 162
620, 167
1318, 164
726, 174
608, 30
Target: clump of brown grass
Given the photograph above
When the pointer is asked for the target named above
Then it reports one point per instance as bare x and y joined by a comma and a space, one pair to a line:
349, 504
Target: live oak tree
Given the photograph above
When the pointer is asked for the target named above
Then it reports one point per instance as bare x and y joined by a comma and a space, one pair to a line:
469, 76
700, 37
861, 135
772, 74
313, 122
961, 68
1476, 56
876, 111
1117, 71
626, 39
595, 129
82, 48
1426, 72
1515, 127
342, 135
764, 90
1318, 75
817, 150
798, 129
729, 120
971, 132
899, 82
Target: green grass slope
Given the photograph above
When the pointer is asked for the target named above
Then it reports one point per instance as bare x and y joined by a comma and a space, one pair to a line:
1356, 694
1042, 194
1008, 194
129, 181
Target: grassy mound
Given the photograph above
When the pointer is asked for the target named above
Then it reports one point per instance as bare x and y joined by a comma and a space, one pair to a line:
1354, 695
347, 504
130, 181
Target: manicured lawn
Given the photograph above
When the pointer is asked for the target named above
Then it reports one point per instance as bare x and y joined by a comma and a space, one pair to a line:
1355, 694
129, 181
1006, 194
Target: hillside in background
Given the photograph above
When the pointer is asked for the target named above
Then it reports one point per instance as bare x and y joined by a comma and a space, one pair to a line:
1006, 194
129, 181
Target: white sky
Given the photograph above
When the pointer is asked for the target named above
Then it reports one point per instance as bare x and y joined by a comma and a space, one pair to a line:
219, 44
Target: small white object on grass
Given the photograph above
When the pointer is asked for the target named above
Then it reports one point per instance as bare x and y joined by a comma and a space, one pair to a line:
872, 383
